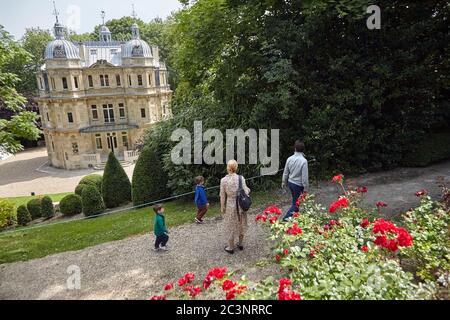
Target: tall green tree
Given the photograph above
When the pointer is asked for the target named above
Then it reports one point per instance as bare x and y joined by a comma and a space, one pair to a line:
116, 187
15, 122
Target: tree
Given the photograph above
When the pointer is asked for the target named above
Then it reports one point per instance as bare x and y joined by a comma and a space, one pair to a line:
149, 180
47, 210
92, 201
15, 122
116, 187
7, 213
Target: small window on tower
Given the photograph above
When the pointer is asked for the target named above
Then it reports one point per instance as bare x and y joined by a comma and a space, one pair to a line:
94, 112
118, 80
143, 113
75, 81
102, 80
91, 83
106, 80
70, 117
139, 77
75, 148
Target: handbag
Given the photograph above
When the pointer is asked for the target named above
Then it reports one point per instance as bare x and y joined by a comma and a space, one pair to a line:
243, 200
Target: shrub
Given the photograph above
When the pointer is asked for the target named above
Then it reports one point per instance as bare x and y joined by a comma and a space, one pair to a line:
47, 209
92, 179
92, 201
149, 180
7, 213
23, 215
116, 187
34, 207
70, 205
432, 149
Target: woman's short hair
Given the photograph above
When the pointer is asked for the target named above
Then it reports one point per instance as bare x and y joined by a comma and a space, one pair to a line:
232, 166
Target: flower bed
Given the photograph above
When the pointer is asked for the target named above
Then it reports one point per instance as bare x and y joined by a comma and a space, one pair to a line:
343, 252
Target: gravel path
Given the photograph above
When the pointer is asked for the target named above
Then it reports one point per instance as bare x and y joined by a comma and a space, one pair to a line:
129, 269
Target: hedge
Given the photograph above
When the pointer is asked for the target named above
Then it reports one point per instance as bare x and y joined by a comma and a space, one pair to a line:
70, 205
149, 180
47, 209
92, 201
95, 180
7, 213
434, 148
34, 207
23, 215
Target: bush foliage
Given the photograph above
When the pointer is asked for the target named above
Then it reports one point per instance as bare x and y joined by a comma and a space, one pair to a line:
116, 187
23, 215
92, 201
47, 209
35, 208
149, 179
95, 180
70, 205
7, 213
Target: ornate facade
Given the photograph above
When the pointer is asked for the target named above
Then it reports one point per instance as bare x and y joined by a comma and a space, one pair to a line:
98, 97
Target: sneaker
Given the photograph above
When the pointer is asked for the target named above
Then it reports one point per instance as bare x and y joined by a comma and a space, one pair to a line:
163, 248
198, 221
240, 247
156, 249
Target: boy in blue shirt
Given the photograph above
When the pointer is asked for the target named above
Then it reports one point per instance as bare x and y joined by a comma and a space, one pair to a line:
200, 199
160, 229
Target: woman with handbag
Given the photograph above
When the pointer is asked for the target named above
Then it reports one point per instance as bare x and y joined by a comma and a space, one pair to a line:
232, 190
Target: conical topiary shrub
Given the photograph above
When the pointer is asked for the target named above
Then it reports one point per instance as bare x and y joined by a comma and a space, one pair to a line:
116, 187
23, 215
149, 180
47, 210
92, 201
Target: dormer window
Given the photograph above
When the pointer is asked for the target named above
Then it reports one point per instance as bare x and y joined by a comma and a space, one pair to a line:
137, 51
104, 80
59, 51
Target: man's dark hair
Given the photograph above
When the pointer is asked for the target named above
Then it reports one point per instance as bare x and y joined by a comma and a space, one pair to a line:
299, 146
157, 207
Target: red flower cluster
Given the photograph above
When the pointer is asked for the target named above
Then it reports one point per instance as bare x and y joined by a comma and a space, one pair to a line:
398, 237
294, 230
163, 297
364, 248
296, 215
422, 192
193, 291
286, 252
232, 289
168, 286
381, 204
301, 199
361, 189
273, 210
213, 274
364, 223
341, 203
187, 278
338, 178
278, 257
312, 253
284, 291
268, 211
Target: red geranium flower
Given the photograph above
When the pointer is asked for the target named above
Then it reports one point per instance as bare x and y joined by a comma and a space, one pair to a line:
381, 204
162, 297
361, 189
296, 215
364, 248
404, 238
422, 192
287, 294
193, 291
262, 217
228, 284
285, 282
312, 253
294, 230
278, 258
286, 252
273, 210
168, 286
231, 294
213, 274
273, 219
338, 178
187, 278
341, 203
365, 222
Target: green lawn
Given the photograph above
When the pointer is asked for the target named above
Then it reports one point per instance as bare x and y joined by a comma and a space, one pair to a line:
23, 200
75, 235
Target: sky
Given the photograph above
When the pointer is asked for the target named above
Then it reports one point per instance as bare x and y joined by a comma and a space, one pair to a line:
79, 15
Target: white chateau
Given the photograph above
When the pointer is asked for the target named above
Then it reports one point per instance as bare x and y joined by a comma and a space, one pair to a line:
99, 97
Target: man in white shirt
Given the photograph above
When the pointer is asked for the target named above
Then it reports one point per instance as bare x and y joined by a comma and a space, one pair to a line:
295, 176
